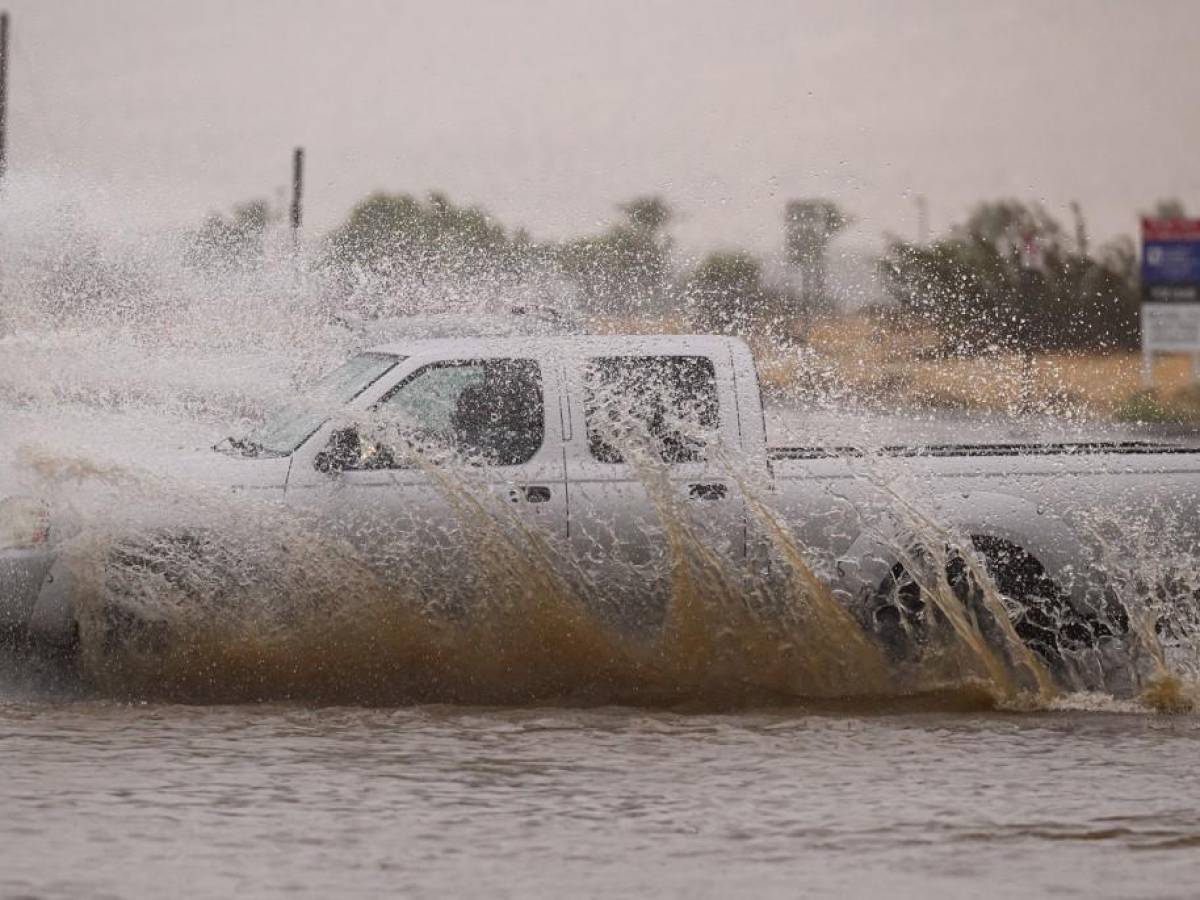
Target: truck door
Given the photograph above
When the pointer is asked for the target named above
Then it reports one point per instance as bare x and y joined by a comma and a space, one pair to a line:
451, 476
648, 469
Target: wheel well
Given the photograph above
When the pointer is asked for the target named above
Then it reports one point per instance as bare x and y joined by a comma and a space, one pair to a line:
1040, 609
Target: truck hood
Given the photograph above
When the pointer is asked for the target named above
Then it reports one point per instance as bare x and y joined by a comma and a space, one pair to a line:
204, 466
213, 467
165, 488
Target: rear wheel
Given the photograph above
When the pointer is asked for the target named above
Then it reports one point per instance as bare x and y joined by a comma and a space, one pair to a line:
1039, 611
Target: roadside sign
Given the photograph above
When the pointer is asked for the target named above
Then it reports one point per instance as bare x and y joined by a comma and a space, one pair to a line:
1171, 327
1170, 290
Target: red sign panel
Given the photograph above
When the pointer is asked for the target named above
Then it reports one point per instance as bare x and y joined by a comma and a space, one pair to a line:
1171, 229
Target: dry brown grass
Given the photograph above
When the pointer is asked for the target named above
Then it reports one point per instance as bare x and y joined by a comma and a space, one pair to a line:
868, 359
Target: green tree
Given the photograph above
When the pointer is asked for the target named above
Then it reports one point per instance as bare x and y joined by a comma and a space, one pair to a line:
1169, 208
396, 253
650, 213
627, 269
234, 241
728, 294
397, 237
1008, 278
809, 227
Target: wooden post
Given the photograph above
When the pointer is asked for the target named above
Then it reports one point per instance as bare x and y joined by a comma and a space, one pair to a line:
3, 95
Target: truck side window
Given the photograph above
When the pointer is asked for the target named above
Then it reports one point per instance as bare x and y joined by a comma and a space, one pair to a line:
487, 411
665, 404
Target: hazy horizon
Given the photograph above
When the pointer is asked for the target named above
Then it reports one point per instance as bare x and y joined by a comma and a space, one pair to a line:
548, 114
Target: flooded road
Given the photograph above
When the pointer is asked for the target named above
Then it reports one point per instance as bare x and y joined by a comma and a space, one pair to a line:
1090, 796
104, 799
1086, 796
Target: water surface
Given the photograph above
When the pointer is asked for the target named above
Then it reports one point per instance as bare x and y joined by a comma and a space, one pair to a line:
106, 799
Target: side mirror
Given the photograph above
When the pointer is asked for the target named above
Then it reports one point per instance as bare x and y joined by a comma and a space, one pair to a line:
341, 453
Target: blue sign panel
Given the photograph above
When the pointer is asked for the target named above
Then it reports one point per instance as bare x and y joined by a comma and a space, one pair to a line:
1171, 262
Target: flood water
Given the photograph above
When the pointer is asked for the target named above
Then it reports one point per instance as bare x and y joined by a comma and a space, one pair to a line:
107, 795
109, 799
118, 796
109, 790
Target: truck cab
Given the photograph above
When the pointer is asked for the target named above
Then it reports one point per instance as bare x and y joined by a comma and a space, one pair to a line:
592, 448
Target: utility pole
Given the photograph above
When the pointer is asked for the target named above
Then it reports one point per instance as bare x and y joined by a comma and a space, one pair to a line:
3, 95
297, 194
922, 219
1081, 241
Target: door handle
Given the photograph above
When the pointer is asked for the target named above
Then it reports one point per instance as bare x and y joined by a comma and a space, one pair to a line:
533, 493
712, 490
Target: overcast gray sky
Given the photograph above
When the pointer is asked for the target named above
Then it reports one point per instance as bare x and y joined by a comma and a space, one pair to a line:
546, 113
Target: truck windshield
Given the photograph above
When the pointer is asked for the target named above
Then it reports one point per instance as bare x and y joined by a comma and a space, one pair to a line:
287, 429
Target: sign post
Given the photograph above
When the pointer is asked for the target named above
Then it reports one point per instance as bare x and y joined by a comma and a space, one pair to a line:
1170, 291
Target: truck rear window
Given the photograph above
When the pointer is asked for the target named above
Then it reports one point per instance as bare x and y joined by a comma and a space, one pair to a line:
665, 405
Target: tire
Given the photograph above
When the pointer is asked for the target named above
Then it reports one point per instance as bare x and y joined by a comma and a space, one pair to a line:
182, 564
1039, 610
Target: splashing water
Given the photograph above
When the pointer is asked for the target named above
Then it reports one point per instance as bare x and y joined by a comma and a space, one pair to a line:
258, 602
116, 354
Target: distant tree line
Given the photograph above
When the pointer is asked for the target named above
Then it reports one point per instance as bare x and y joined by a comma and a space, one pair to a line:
1009, 276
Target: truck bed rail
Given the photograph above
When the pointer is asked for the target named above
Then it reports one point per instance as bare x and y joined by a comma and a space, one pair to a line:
1082, 448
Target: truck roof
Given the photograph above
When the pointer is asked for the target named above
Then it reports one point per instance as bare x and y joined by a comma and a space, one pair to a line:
608, 343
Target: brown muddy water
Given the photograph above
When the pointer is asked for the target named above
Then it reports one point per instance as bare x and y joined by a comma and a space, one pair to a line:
946, 796
940, 796
107, 799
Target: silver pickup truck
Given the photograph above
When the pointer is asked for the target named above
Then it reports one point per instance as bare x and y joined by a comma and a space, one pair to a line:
601, 452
